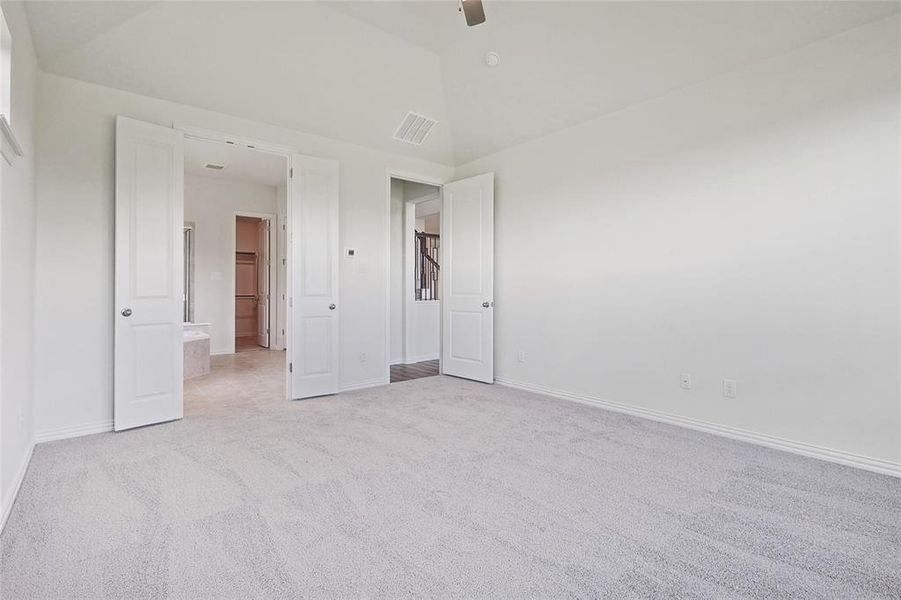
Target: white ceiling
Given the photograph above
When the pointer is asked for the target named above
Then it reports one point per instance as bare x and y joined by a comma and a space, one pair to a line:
299, 65
241, 164
351, 70
563, 63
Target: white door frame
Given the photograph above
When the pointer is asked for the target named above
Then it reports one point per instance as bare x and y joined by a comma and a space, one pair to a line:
273, 264
409, 289
208, 135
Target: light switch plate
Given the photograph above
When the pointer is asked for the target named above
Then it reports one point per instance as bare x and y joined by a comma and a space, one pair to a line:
730, 388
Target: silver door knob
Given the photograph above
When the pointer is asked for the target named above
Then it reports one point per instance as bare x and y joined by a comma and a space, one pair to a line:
126, 312
331, 307
486, 304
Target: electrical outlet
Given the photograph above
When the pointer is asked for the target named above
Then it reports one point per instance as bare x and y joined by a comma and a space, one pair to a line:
730, 388
521, 356
685, 381
362, 357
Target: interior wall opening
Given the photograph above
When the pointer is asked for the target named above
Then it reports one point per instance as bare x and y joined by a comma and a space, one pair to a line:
235, 282
415, 280
252, 283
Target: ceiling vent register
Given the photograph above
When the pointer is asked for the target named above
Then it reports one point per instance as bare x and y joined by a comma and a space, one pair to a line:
414, 129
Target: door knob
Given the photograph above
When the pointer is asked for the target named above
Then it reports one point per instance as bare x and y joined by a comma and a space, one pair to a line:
486, 304
331, 307
126, 312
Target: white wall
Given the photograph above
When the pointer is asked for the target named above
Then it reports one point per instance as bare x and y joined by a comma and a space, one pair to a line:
431, 223
211, 205
425, 315
280, 295
17, 268
74, 331
396, 354
423, 341
746, 227
425, 323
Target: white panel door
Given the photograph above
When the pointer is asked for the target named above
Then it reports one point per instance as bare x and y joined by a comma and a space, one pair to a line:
467, 249
263, 283
149, 268
313, 277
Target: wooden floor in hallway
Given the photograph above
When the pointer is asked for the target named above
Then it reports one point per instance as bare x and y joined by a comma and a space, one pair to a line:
427, 368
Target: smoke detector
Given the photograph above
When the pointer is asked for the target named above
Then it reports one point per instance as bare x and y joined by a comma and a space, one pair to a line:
214, 166
414, 128
492, 59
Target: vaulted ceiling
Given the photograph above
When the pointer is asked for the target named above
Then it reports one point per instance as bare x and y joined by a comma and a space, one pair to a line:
352, 70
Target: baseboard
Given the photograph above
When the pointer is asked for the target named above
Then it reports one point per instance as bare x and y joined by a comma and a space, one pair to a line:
361, 385
62, 433
17, 484
877, 465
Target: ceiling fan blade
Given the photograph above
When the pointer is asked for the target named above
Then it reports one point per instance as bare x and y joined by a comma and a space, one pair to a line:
473, 11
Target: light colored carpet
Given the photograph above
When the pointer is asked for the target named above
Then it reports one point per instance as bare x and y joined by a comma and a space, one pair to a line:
437, 487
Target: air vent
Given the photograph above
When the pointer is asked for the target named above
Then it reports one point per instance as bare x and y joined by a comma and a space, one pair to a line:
414, 129
214, 166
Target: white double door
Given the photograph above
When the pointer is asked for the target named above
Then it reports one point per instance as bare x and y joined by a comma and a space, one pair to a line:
149, 283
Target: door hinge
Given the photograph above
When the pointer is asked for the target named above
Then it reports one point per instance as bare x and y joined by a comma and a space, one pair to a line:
291, 172
290, 367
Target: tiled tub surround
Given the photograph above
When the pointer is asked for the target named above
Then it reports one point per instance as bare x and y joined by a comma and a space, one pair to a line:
196, 350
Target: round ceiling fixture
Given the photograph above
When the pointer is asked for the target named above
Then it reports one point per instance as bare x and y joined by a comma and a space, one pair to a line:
492, 59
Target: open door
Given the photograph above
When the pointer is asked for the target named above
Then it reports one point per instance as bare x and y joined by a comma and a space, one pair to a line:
263, 283
313, 277
467, 240
148, 272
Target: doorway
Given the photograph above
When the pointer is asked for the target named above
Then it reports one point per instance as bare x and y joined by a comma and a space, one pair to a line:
415, 291
235, 207
441, 268
253, 281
